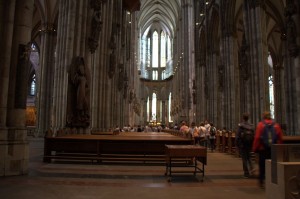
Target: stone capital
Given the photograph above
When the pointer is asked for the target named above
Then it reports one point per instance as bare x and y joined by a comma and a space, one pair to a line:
48, 28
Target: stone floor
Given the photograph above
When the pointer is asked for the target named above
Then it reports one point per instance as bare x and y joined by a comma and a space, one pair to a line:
223, 179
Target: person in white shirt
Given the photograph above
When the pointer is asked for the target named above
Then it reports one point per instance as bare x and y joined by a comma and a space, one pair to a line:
207, 127
212, 137
202, 134
193, 132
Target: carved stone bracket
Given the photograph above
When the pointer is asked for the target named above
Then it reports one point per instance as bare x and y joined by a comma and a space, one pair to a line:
277, 67
202, 61
48, 28
291, 34
121, 77
206, 86
221, 75
125, 85
112, 64
194, 96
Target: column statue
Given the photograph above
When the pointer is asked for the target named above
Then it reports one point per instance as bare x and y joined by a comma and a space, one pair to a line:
78, 94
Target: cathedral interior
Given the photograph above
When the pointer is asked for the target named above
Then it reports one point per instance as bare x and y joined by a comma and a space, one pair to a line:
94, 65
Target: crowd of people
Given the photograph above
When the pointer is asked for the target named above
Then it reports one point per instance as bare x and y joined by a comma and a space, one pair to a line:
204, 134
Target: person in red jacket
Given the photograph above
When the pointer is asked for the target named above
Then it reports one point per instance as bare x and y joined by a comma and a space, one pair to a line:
259, 147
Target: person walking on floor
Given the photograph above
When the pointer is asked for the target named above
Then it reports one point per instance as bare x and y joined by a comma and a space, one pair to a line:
267, 133
244, 141
202, 135
212, 137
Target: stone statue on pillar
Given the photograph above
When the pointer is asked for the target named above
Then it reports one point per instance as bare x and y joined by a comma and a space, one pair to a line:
21, 77
78, 94
243, 60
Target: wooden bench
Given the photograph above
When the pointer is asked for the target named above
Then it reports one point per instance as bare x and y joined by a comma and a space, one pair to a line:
191, 153
130, 146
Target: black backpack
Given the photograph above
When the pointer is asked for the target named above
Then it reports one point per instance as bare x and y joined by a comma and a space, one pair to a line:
247, 135
269, 135
212, 131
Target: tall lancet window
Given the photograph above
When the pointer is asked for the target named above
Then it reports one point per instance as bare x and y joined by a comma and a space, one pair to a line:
148, 109
169, 108
143, 51
156, 54
271, 86
154, 101
32, 89
162, 49
148, 53
169, 48
155, 50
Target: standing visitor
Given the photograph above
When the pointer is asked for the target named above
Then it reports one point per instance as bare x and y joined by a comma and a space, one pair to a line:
202, 134
267, 133
244, 142
212, 137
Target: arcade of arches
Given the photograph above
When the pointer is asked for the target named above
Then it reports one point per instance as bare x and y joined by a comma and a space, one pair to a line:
93, 65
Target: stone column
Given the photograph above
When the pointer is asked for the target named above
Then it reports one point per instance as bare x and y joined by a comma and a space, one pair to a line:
13, 133
45, 78
8, 10
188, 65
163, 112
255, 29
229, 61
65, 39
158, 115
279, 100
71, 43
292, 66
150, 107
145, 112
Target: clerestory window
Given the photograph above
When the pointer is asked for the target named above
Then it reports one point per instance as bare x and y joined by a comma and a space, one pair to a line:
156, 55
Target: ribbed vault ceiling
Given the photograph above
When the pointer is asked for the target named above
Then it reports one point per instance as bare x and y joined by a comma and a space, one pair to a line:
163, 12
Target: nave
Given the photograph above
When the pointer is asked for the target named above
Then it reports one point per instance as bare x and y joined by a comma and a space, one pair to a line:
223, 179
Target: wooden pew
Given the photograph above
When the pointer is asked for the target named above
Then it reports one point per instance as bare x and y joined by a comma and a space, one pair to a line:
141, 146
291, 139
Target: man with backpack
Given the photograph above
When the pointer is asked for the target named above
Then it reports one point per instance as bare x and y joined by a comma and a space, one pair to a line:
267, 133
244, 141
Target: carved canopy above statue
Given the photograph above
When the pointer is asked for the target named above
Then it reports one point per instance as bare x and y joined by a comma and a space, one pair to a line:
132, 5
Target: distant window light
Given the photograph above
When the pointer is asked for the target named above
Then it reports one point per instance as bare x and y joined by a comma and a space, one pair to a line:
271, 87
170, 107
163, 50
33, 86
155, 50
154, 75
154, 101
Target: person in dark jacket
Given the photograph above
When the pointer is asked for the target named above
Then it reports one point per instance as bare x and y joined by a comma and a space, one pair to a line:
244, 141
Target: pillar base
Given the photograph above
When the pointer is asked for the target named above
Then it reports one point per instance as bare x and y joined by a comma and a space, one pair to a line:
13, 151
